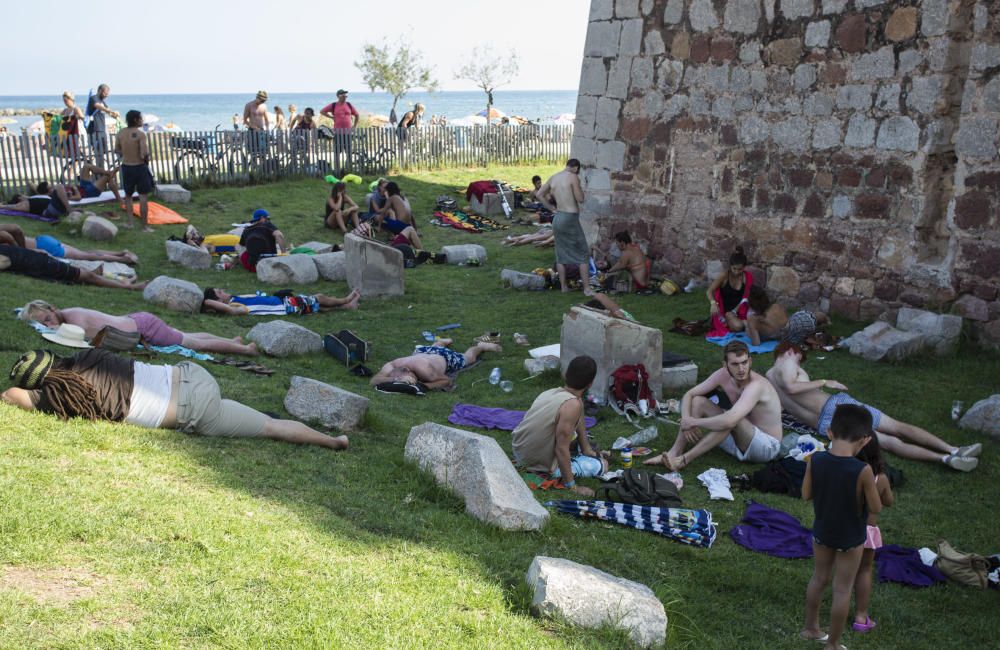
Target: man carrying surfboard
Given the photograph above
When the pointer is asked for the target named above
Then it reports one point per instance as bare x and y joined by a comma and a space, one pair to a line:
133, 146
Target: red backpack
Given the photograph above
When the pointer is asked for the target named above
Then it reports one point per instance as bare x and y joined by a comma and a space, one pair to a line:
626, 386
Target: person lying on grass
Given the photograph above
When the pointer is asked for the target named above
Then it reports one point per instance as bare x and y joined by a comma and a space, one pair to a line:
552, 438
13, 234
284, 301
37, 264
431, 365
96, 384
750, 430
806, 400
151, 327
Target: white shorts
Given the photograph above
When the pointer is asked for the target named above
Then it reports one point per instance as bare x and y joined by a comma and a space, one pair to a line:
762, 449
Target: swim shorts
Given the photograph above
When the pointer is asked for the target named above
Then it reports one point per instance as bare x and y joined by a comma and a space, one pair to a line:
762, 449
154, 330
50, 245
201, 409
136, 178
89, 190
583, 467
826, 414
453, 360
394, 226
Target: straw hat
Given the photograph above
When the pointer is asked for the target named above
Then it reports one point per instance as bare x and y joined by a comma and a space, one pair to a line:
68, 335
262, 95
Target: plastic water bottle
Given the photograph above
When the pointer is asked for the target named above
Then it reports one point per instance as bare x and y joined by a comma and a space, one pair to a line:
645, 435
495, 376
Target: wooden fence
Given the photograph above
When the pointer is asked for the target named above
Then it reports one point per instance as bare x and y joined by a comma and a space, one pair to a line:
236, 157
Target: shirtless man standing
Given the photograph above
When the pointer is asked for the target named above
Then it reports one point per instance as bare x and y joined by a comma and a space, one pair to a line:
571, 243
750, 430
133, 146
431, 365
154, 330
256, 121
806, 401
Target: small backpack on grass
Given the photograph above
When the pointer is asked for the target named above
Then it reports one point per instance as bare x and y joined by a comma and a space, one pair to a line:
626, 387
643, 488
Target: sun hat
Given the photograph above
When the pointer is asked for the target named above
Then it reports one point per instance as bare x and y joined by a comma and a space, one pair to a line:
341, 92
29, 371
259, 213
262, 95
68, 335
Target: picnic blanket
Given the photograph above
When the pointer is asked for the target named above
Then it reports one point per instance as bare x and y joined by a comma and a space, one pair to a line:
765, 346
27, 215
492, 418
773, 532
159, 214
466, 222
684, 525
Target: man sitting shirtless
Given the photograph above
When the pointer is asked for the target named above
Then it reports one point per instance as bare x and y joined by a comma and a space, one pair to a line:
434, 366
750, 430
806, 400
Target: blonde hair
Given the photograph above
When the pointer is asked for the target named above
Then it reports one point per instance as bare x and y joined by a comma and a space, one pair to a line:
292, 107
418, 107
32, 307
68, 95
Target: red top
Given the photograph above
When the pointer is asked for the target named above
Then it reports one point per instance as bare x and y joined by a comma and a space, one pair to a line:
342, 114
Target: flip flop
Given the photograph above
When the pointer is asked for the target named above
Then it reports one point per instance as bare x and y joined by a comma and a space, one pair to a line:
865, 627
521, 339
428, 336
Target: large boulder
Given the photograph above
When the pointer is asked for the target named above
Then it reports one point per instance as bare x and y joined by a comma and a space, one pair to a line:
191, 257
279, 338
984, 416
680, 377
287, 270
373, 268
477, 469
313, 401
611, 342
880, 340
462, 253
523, 281
590, 598
174, 294
99, 229
331, 266
940, 331
173, 193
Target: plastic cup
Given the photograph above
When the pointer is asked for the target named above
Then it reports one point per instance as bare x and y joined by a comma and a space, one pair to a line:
507, 385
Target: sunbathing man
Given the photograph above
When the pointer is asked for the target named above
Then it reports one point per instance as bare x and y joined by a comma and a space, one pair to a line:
45, 201
632, 260
432, 365
768, 321
279, 303
152, 328
540, 239
94, 180
100, 385
806, 401
37, 264
12, 234
750, 430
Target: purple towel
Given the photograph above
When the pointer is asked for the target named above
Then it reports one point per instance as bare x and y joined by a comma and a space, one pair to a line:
903, 565
491, 418
773, 532
29, 215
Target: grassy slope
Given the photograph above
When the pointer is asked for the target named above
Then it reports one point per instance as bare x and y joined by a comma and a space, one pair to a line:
112, 535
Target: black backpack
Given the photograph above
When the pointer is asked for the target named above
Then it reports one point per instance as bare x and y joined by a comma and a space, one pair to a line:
643, 488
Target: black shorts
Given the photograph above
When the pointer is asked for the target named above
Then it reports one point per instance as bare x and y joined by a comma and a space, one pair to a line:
39, 265
136, 178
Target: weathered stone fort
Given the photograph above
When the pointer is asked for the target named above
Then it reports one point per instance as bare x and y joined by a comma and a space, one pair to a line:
849, 145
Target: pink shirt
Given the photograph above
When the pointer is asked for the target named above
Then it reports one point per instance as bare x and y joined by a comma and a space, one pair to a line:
342, 114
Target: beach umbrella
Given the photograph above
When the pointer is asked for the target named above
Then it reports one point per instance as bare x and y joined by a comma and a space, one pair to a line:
469, 120
684, 525
37, 126
495, 113
149, 118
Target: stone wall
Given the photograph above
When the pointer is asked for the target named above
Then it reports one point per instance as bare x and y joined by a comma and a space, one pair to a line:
849, 145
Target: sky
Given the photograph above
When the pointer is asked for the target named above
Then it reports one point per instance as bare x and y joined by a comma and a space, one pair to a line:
192, 46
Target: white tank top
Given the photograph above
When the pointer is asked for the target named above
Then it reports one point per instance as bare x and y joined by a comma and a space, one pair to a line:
150, 395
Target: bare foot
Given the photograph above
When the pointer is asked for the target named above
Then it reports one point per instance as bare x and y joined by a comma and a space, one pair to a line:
350, 304
130, 257
237, 339
443, 343
252, 350
659, 459
138, 286
490, 347
340, 443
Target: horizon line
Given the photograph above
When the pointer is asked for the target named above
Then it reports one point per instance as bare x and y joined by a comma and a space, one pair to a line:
290, 92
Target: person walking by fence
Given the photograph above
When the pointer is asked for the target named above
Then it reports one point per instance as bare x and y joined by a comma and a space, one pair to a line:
97, 128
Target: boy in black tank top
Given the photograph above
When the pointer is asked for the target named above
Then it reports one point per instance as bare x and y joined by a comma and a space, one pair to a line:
843, 492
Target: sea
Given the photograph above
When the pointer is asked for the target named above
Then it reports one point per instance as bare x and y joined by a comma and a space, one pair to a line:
203, 112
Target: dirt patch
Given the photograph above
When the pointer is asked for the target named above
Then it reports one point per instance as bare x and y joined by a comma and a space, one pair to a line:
55, 586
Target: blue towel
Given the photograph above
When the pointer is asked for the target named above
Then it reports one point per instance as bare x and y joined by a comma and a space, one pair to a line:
765, 346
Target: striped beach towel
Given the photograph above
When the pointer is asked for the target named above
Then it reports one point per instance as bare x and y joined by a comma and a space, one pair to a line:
684, 525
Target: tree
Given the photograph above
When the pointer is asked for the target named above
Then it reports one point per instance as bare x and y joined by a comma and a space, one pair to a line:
488, 70
395, 71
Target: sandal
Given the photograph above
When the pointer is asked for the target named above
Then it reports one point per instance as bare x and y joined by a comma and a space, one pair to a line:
521, 339
865, 627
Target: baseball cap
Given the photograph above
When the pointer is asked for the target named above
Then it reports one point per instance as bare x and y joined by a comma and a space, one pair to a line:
258, 214
341, 92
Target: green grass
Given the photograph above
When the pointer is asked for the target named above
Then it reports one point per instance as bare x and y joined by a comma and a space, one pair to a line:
115, 536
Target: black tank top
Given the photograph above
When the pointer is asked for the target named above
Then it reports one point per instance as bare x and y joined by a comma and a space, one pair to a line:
731, 297
839, 523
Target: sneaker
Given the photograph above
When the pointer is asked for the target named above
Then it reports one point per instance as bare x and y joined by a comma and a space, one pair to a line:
969, 451
961, 463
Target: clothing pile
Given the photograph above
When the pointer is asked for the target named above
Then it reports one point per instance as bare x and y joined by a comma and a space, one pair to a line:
684, 525
467, 222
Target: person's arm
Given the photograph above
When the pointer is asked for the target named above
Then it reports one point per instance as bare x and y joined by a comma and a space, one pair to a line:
382, 375
807, 481
870, 491
231, 309
728, 419
18, 397
327, 111
712, 288
354, 115
143, 147
792, 386
751, 327
279, 239
118, 144
443, 382
885, 494
704, 388
577, 190
569, 415
350, 202
267, 121
543, 196
246, 116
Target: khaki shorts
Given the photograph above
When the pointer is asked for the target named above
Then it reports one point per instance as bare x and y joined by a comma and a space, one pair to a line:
762, 448
201, 409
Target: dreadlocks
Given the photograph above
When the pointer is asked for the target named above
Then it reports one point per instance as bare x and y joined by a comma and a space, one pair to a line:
70, 395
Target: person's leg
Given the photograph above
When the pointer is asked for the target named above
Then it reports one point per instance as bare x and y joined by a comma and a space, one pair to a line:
914, 434
585, 279
472, 354
845, 569
300, 434
823, 557
129, 210
863, 587
21, 204
88, 277
73, 253
412, 236
205, 342
333, 302
351, 217
60, 193
676, 458
733, 322
144, 212
561, 268
15, 236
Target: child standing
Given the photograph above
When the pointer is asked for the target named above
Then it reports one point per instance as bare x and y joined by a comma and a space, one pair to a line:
843, 492
871, 454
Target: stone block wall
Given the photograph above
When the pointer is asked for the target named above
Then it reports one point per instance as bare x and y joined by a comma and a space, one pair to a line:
849, 145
